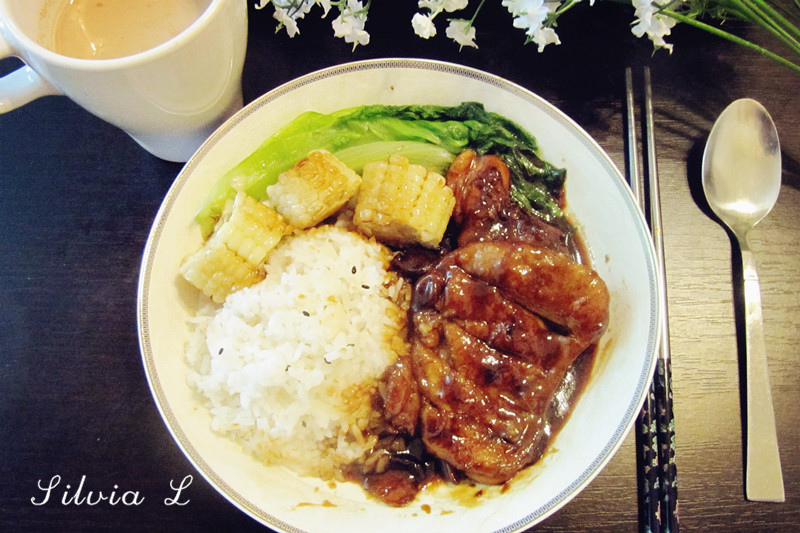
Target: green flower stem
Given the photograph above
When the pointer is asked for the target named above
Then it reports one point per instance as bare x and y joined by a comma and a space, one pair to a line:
478, 9
779, 18
770, 19
564, 7
730, 37
757, 15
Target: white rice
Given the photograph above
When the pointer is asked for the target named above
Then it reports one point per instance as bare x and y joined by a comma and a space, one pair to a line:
288, 366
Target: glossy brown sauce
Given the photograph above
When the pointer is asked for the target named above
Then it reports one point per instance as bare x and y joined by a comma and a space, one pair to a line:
410, 467
489, 381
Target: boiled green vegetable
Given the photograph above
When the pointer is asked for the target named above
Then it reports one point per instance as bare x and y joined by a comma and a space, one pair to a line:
376, 129
428, 155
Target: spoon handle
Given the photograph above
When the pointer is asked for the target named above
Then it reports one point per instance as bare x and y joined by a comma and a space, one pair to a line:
763, 478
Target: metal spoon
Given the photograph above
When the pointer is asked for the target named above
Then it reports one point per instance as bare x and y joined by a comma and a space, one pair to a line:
741, 180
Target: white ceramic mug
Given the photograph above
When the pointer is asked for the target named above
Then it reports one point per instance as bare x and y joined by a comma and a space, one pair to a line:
169, 98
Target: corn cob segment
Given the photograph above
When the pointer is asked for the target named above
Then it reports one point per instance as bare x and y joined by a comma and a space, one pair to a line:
251, 230
403, 203
315, 188
233, 257
218, 272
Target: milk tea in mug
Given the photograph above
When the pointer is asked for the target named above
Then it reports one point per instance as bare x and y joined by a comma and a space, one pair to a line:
167, 72
106, 29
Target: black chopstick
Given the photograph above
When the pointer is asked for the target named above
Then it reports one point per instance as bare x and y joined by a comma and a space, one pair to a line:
665, 421
655, 425
646, 433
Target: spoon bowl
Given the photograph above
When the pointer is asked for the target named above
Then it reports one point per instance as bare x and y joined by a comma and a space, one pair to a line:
742, 165
741, 181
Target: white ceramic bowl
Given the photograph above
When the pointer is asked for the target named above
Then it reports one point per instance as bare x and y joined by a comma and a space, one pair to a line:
598, 200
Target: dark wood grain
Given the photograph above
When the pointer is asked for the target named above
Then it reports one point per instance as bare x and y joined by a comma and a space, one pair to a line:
77, 198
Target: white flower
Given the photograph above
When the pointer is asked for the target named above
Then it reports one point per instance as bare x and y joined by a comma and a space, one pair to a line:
517, 7
455, 5
423, 25
530, 15
350, 24
287, 13
286, 20
545, 36
326, 6
436, 6
650, 22
462, 32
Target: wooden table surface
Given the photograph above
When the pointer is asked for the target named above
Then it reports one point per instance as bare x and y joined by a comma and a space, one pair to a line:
77, 198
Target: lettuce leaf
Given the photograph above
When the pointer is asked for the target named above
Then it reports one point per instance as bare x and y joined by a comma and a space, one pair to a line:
430, 156
536, 183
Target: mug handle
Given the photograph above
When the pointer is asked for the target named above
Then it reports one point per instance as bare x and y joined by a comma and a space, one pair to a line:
21, 86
